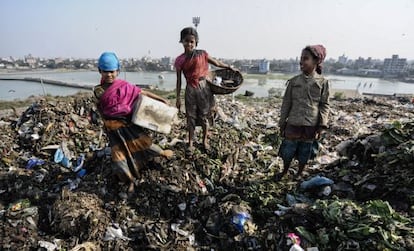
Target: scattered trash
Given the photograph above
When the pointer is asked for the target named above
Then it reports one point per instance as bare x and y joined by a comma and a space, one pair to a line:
176, 228
316, 181
82, 172
357, 194
325, 191
47, 245
106, 152
20, 205
239, 220
114, 232
79, 163
295, 241
217, 80
59, 155
248, 93
32, 162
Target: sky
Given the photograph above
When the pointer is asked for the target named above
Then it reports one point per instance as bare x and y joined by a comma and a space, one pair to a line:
238, 29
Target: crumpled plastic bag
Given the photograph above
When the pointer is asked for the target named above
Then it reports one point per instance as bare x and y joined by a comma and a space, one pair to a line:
114, 232
32, 162
316, 181
47, 245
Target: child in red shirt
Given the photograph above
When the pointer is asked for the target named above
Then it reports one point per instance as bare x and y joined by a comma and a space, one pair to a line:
199, 101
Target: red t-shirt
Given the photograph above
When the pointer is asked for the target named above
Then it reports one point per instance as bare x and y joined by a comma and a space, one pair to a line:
194, 66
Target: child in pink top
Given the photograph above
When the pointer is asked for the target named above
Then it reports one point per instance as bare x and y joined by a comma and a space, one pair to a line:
131, 146
199, 101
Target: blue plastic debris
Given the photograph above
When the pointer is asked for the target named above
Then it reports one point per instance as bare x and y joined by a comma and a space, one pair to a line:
316, 181
105, 152
81, 173
239, 220
66, 162
32, 162
63, 156
79, 163
58, 156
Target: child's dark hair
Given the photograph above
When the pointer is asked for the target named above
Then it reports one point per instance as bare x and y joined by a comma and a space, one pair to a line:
188, 31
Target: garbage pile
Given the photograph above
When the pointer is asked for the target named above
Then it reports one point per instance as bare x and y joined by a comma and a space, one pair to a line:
57, 190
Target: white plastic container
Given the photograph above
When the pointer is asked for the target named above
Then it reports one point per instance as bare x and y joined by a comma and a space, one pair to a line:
153, 114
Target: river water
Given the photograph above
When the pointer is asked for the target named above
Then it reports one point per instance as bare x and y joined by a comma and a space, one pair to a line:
259, 84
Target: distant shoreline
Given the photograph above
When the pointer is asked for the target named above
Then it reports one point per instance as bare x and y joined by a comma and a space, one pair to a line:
347, 86
48, 81
25, 71
272, 75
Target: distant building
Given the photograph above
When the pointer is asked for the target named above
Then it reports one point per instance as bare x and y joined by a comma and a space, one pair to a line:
395, 66
359, 63
30, 60
8, 59
256, 67
264, 66
58, 60
342, 59
294, 65
165, 61
246, 68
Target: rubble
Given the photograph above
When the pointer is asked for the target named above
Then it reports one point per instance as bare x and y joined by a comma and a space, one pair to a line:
57, 190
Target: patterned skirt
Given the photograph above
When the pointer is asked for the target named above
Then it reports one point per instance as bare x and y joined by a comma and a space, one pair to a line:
130, 148
199, 104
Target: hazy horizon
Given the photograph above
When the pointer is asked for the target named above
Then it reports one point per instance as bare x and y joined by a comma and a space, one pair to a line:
230, 29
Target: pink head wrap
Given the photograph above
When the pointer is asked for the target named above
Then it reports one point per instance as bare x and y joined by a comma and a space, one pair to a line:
318, 51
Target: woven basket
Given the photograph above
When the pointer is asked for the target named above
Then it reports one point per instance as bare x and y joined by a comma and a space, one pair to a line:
231, 81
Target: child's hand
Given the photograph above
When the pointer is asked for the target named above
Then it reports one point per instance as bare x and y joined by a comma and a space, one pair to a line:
235, 69
165, 101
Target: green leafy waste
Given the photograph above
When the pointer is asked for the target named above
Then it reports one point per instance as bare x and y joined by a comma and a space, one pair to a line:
373, 225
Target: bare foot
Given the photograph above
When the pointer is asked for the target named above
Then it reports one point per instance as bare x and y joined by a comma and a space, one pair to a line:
189, 151
207, 146
131, 188
167, 154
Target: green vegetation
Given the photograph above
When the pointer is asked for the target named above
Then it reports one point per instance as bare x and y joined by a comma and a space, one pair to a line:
339, 96
163, 93
14, 104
